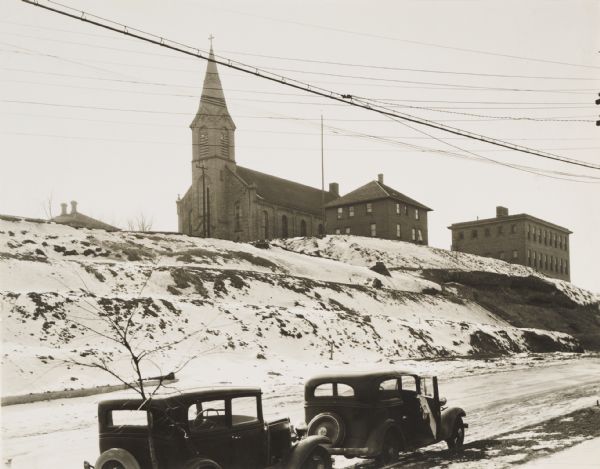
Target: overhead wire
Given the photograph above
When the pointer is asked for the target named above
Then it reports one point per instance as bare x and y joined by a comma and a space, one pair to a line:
170, 44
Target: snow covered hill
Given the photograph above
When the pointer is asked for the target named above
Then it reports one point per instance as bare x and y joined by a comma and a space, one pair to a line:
304, 300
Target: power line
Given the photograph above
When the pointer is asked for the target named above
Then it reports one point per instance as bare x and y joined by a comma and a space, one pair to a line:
173, 45
323, 62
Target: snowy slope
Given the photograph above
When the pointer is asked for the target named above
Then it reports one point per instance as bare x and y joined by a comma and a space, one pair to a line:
232, 301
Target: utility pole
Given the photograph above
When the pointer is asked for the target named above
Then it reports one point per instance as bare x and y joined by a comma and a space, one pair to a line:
204, 204
598, 102
322, 179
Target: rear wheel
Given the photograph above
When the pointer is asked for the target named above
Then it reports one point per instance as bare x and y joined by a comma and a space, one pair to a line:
390, 449
116, 458
201, 464
458, 435
318, 459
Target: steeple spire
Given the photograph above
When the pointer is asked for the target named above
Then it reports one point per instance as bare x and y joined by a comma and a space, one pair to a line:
212, 101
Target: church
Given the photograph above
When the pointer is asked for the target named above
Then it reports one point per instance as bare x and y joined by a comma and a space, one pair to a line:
228, 201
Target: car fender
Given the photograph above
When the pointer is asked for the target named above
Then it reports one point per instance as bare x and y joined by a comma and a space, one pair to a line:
302, 450
448, 418
375, 441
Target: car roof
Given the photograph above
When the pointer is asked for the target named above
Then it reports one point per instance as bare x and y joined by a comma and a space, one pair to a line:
174, 397
357, 377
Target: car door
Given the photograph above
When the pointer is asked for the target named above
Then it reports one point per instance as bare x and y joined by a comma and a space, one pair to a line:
248, 433
429, 413
210, 432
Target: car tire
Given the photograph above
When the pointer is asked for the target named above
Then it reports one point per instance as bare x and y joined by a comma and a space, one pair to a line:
390, 449
201, 464
116, 458
329, 425
319, 458
457, 439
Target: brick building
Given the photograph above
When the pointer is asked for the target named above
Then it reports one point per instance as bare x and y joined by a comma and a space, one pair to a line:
77, 219
520, 239
228, 201
377, 210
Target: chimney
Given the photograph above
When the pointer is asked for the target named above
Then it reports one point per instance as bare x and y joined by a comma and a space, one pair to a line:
380, 178
501, 212
334, 188
63, 209
73, 207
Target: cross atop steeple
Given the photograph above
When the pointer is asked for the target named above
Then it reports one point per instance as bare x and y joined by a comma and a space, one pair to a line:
210, 38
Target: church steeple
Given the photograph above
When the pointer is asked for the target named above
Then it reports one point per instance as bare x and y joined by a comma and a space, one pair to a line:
212, 127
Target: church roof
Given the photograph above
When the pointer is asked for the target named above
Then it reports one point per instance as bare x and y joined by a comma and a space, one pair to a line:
285, 193
374, 190
212, 100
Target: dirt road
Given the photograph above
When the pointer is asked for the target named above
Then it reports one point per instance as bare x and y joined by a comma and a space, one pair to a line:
62, 433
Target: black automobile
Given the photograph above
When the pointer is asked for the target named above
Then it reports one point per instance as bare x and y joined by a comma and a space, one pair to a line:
208, 429
378, 414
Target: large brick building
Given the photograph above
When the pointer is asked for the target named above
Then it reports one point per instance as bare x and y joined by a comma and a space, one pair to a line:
228, 201
520, 239
377, 210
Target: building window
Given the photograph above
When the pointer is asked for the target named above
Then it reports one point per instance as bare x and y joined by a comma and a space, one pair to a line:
238, 216
513, 229
397, 209
545, 262
406, 210
461, 235
515, 254
501, 255
534, 259
397, 231
486, 232
528, 231
416, 213
545, 237
225, 144
369, 208
337, 231
539, 235
529, 257
340, 213
500, 230
321, 229
347, 230
284, 226
373, 229
419, 235
474, 234
414, 234
203, 143
303, 228
351, 211
265, 224
566, 268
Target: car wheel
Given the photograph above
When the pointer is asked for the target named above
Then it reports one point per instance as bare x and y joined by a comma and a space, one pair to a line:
319, 458
390, 450
201, 464
116, 458
458, 435
329, 425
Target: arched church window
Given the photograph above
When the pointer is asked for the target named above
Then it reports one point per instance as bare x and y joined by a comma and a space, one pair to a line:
284, 226
303, 228
225, 143
265, 224
203, 143
321, 229
238, 216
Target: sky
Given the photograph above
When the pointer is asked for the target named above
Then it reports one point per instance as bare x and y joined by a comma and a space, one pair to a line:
90, 115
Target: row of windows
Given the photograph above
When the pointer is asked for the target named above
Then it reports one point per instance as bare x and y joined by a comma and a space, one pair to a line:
416, 233
265, 228
547, 237
501, 255
487, 232
369, 209
543, 261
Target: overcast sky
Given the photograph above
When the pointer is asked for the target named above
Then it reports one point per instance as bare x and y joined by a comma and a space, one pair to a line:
91, 115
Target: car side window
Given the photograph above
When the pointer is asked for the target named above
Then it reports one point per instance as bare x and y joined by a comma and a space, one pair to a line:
324, 390
207, 415
388, 389
130, 418
427, 387
244, 410
345, 390
408, 383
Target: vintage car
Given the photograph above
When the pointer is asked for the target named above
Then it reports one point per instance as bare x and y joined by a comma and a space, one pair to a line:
207, 429
376, 415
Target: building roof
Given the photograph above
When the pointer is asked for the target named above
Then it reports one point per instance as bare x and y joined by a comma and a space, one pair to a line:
518, 216
79, 220
374, 190
285, 193
212, 100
